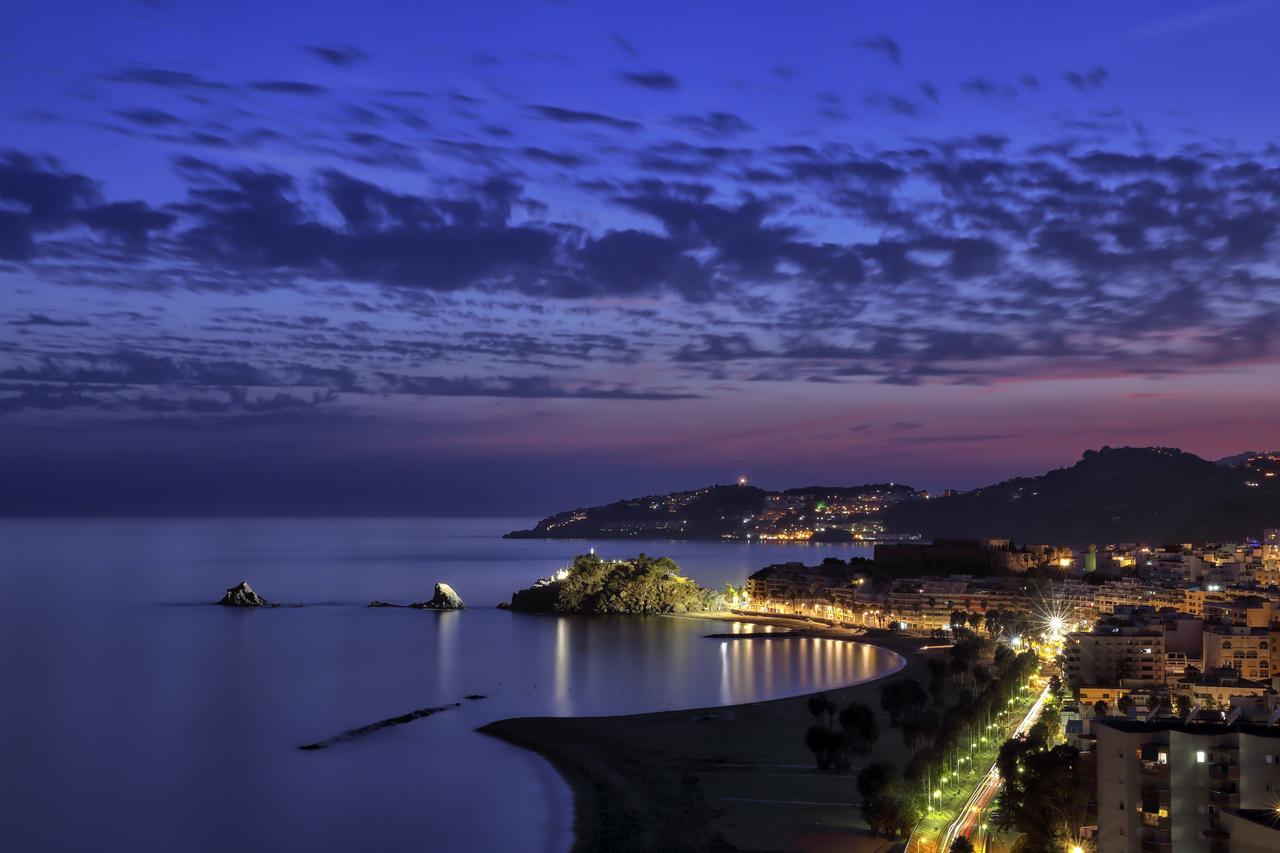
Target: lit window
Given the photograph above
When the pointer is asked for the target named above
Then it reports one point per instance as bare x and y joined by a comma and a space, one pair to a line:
1199, 756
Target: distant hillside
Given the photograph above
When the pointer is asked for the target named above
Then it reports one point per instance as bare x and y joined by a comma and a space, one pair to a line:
1126, 494
830, 513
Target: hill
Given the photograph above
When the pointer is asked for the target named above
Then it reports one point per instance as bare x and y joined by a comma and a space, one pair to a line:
831, 513
642, 585
1125, 494
1122, 494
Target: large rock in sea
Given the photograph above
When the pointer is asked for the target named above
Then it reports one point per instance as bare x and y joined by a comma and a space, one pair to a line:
444, 599
242, 595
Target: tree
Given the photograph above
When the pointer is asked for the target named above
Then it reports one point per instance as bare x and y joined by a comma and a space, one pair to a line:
1100, 708
890, 815
920, 730
822, 707
1182, 702
958, 619
859, 727
826, 746
1124, 703
962, 844
877, 778
991, 621
901, 698
1042, 797
975, 621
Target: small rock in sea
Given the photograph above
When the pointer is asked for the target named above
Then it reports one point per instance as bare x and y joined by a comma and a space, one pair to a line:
242, 595
444, 599
384, 604
474, 696
505, 605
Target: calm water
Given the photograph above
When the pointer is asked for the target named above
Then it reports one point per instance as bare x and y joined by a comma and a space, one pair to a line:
137, 717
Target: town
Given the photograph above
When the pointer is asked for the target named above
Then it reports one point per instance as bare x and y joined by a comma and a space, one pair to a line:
1160, 664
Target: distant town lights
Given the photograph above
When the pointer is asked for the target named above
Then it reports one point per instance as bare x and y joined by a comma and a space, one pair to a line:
742, 479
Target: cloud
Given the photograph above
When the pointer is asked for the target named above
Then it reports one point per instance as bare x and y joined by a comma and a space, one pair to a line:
714, 125
39, 196
883, 45
46, 320
890, 103
148, 117
287, 87
133, 367
526, 387
988, 88
341, 56
959, 438
623, 44
1192, 21
718, 348
567, 116
655, 80
1087, 81
165, 78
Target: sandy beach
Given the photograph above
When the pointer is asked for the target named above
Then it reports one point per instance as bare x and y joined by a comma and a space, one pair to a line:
737, 777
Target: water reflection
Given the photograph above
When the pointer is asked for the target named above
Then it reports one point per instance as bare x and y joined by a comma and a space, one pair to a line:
561, 690
446, 624
667, 660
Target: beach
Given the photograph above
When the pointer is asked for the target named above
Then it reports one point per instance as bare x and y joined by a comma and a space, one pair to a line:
737, 777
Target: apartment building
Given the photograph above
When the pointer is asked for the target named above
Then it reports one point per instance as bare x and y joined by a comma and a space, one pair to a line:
1246, 650
1169, 786
1116, 655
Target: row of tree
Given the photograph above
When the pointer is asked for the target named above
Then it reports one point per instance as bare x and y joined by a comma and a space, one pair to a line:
940, 745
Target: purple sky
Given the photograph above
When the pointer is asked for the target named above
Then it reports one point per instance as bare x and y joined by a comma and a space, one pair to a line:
507, 257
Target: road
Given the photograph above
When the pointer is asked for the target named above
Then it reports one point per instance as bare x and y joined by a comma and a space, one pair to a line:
969, 819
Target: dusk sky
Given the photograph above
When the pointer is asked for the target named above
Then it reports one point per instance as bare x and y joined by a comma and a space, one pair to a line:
517, 257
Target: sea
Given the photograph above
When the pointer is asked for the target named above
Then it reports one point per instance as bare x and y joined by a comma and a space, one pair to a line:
135, 714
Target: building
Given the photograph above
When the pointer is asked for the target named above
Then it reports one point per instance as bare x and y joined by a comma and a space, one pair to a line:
1268, 571
1169, 786
1244, 649
970, 556
1116, 654
1224, 688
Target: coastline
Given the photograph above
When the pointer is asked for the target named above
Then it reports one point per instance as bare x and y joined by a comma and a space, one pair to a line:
734, 777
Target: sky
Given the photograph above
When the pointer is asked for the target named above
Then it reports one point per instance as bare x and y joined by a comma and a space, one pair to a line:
496, 258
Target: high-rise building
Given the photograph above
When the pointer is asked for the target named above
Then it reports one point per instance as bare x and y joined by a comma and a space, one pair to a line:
1123, 655
1169, 786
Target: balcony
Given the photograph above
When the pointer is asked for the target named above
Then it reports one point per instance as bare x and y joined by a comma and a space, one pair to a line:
1225, 799
1223, 772
1155, 797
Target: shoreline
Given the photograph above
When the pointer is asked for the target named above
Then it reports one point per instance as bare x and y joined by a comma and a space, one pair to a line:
731, 777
